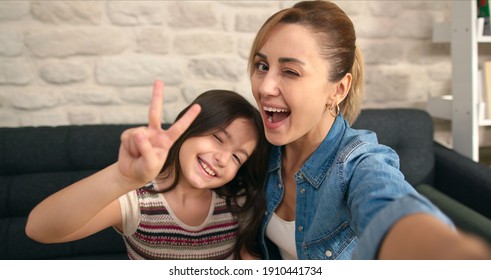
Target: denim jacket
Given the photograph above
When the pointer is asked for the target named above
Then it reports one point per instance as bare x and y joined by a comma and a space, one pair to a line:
349, 193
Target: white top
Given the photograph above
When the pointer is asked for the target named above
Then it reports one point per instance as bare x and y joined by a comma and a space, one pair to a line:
282, 233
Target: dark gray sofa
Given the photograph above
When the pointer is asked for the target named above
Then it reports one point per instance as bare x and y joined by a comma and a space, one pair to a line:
459, 186
37, 161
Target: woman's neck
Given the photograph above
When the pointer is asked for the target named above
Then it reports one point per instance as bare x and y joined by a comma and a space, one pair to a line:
296, 153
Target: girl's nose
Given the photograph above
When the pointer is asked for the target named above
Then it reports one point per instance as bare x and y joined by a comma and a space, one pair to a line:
222, 158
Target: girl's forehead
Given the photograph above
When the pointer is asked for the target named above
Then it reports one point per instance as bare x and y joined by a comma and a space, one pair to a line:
239, 122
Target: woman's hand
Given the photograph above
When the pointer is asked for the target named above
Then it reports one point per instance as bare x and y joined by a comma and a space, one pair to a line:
422, 236
143, 150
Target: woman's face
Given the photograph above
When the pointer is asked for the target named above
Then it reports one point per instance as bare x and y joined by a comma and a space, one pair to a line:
291, 87
211, 161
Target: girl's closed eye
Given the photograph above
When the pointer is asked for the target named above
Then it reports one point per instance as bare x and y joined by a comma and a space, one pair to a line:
237, 159
217, 137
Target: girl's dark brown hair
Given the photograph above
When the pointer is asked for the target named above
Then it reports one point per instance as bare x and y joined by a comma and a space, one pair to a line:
336, 37
218, 109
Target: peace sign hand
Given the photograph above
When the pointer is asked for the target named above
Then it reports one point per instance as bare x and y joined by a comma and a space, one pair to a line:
143, 150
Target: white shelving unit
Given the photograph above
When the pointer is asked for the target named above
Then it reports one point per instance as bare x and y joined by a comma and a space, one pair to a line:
462, 106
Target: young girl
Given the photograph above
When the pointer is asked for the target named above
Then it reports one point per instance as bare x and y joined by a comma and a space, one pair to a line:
201, 181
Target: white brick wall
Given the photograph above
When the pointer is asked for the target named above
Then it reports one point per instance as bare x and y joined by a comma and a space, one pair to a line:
88, 62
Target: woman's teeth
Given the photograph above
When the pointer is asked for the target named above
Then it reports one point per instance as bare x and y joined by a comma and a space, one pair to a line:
276, 114
275, 110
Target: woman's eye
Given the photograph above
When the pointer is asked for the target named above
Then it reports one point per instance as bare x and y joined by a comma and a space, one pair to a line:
261, 66
291, 72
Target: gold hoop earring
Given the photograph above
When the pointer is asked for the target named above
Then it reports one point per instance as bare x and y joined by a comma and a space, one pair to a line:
336, 110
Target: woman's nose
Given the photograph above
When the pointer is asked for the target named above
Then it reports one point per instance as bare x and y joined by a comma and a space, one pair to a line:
268, 86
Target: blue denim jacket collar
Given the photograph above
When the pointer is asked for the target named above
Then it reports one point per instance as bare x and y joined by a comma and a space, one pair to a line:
315, 168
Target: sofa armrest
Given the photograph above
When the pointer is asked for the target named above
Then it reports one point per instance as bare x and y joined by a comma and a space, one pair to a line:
463, 179
464, 217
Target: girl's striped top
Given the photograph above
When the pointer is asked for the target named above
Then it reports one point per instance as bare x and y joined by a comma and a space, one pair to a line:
151, 230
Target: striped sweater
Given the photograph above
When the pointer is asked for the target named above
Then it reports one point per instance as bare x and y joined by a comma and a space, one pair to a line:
152, 231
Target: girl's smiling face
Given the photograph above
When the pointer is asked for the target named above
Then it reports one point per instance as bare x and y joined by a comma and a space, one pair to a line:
211, 161
291, 87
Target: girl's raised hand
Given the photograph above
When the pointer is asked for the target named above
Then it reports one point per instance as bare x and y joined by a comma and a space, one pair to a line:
143, 150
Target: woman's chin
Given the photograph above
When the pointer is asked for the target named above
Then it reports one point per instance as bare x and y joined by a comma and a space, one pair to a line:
275, 138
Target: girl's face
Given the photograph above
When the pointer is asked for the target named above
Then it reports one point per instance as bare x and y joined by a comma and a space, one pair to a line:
211, 161
291, 87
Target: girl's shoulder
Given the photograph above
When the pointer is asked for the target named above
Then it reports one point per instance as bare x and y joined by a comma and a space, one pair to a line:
150, 190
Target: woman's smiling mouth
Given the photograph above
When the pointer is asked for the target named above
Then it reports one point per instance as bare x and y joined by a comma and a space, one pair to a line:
274, 115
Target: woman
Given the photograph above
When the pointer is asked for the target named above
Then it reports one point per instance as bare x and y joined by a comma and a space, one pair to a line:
333, 192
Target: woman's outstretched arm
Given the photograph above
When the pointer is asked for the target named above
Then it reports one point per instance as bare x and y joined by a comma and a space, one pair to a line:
422, 236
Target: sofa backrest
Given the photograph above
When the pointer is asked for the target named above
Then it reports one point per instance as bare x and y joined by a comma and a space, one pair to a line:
38, 161
410, 133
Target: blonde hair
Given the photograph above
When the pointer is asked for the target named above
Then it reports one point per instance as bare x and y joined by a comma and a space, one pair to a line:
336, 37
